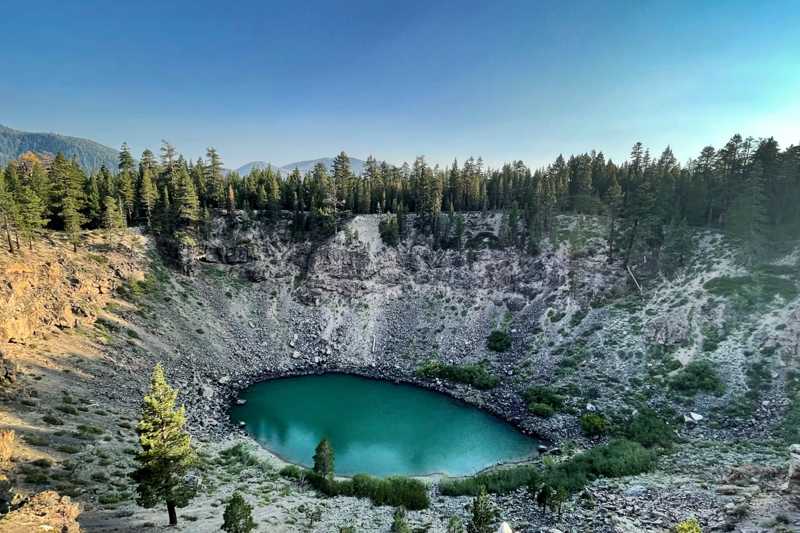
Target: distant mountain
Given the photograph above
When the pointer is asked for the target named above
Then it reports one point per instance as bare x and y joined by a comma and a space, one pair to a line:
357, 165
260, 165
90, 155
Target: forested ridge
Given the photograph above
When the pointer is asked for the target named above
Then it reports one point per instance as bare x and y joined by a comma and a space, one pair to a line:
748, 188
90, 154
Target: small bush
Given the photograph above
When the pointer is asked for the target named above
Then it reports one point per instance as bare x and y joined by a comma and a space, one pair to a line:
42, 463
555, 482
473, 374
68, 448
543, 401
389, 230
52, 420
292, 472
238, 516
542, 410
499, 341
67, 409
399, 522
690, 525
749, 292
618, 458
697, 376
594, 425
497, 482
36, 477
394, 491
650, 430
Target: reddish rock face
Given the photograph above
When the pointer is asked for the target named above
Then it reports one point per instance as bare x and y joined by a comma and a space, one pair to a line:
51, 288
46, 511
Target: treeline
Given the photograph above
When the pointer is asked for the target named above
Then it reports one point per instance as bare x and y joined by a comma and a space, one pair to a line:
749, 188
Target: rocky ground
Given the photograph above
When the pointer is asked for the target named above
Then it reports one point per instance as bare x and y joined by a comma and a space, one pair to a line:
83, 331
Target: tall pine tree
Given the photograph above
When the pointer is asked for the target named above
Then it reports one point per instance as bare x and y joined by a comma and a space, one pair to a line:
167, 455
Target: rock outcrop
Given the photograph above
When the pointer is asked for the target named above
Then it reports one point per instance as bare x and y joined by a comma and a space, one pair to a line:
46, 511
52, 287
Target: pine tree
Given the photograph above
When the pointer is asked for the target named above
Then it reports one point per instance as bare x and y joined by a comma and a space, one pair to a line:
323, 200
166, 455
482, 514
454, 525
678, 247
186, 202
126, 163
147, 195
72, 221
613, 200
8, 208
127, 192
216, 178
31, 213
458, 233
238, 516
747, 219
324, 459
113, 218
68, 185
93, 208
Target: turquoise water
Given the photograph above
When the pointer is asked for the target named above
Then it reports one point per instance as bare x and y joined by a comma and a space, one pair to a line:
376, 427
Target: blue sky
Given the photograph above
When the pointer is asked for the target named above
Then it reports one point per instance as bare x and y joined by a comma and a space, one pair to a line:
283, 81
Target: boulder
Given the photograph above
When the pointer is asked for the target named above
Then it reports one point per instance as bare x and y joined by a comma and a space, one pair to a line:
692, 418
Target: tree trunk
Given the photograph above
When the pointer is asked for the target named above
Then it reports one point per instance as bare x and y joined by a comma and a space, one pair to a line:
173, 515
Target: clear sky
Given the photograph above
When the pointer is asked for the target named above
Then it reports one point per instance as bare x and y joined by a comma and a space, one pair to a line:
282, 81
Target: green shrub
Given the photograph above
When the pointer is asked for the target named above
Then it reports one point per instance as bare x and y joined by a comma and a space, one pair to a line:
471, 374
542, 409
690, 525
42, 463
697, 376
292, 472
543, 401
497, 482
238, 455
36, 477
389, 230
618, 458
649, 429
594, 425
399, 522
238, 515
749, 292
52, 420
394, 491
499, 341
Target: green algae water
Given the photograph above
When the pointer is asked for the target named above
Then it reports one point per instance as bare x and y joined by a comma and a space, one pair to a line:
376, 427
